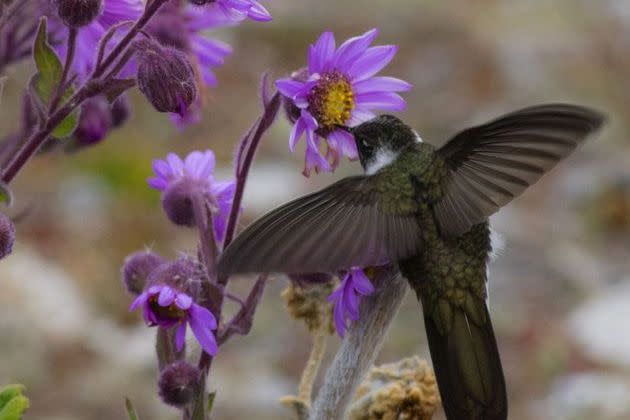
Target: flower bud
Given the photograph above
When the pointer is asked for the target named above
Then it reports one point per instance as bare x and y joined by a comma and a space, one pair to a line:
7, 235
77, 13
165, 77
182, 274
137, 268
177, 202
121, 110
178, 382
95, 122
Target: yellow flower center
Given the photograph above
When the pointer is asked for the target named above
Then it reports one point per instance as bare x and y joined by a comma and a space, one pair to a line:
332, 100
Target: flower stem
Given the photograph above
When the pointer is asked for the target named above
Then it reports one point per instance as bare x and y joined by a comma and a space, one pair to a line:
320, 340
359, 347
55, 117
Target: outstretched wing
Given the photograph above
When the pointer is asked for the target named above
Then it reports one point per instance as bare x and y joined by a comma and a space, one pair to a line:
491, 164
346, 224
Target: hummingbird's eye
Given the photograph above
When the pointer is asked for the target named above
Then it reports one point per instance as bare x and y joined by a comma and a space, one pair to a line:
365, 143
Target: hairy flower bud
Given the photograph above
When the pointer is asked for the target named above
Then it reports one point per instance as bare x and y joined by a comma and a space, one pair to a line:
121, 110
77, 13
182, 274
7, 235
137, 268
177, 383
165, 77
95, 122
177, 202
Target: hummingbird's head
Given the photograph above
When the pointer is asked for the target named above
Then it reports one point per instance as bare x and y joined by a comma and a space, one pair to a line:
381, 140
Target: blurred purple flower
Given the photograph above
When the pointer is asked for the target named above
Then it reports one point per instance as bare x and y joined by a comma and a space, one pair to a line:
181, 26
167, 307
196, 172
339, 88
114, 11
238, 10
347, 297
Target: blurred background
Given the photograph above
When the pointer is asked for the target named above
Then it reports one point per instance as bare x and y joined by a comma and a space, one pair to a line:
560, 290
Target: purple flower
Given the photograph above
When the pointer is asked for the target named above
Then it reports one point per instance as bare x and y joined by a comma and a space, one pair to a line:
114, 11
165, 306
347, 297
194, 175
339, 88
238, 10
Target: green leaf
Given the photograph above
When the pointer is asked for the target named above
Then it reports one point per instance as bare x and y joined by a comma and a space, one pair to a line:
10, 391
131, 412
15, 408
12, 403
48, 77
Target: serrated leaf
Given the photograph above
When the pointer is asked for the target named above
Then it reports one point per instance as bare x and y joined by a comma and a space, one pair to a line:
15, 408
48, 77
131, 411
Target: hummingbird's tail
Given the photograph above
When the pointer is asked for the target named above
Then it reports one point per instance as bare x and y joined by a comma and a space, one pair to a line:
466, 360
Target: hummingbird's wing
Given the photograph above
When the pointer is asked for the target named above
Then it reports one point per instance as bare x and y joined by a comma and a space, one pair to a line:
491, 164
347, 224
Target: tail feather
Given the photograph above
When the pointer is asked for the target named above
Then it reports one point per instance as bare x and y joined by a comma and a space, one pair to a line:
467, 365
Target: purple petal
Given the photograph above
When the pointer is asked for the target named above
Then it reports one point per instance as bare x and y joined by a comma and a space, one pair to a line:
183, 301
361, 283
296, 134
360, 115
176, 164
204, 336
381, 84
340, 319
157, 183
140, 300
203, 316
372, 61
352, 49
321, 53
345, 143
289, 87
180, 336
381, 100
162, 169
167, 296
258, 13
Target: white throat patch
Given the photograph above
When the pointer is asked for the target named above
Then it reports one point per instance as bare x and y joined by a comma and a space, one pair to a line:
381, 159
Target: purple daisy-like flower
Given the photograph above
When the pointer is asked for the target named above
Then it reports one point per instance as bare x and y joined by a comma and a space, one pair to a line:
347, 297
339, 88
165, 306
114, 12
195, 175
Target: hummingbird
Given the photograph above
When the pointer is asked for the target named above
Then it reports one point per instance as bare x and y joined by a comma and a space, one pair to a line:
425, 209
